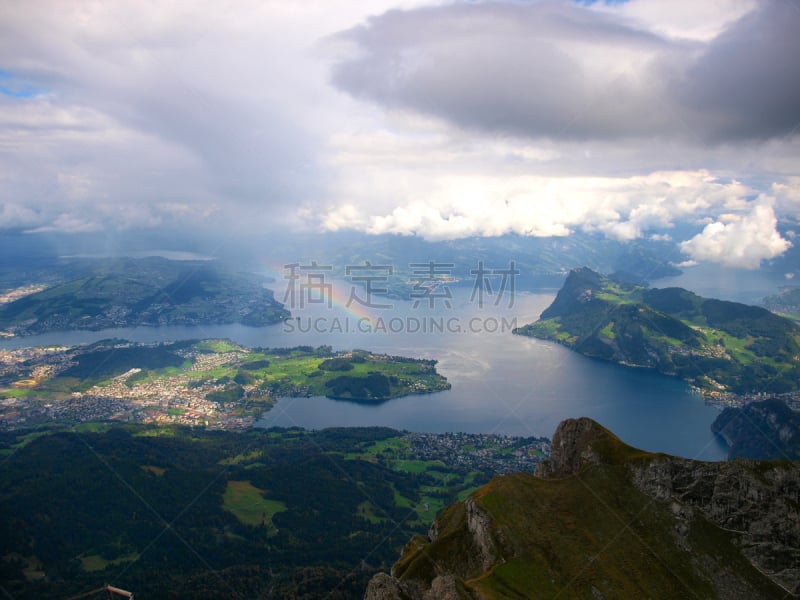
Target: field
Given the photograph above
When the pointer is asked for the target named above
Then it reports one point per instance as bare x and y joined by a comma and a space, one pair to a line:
247, 503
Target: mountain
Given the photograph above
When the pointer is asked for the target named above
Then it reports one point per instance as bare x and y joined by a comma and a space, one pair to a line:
152, 291
720, 347
786, 303
762, 430
604, 520
540, 261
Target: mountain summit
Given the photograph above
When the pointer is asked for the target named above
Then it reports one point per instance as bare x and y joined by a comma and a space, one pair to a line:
719, 347
604, 520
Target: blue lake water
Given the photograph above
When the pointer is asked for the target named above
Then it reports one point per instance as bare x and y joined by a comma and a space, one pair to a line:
736, 285
501, 383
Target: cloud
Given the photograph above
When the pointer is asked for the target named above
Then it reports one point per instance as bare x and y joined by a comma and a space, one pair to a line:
190, 104
746, 83
558, 70
623, 208
67, 223
682, 19
415, 117
742, 241
14, 216
787, 194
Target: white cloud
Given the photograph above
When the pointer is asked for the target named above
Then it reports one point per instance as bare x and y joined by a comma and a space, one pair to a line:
67, 223
787, 194
742, 241
197, 116
198, 104
13, 216
454, 206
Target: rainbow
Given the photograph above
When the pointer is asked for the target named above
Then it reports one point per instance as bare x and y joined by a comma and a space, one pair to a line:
340, 296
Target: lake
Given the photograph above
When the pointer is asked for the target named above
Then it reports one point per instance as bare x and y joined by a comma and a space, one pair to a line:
501, 383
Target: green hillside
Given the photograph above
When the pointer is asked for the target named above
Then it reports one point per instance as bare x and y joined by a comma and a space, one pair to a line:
153, 291
189, 513
717, 346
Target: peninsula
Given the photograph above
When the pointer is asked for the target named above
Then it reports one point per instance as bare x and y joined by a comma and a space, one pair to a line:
726, 350
214, 383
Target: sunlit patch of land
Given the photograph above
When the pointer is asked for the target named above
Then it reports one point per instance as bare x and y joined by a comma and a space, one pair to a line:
248, 504
215, 383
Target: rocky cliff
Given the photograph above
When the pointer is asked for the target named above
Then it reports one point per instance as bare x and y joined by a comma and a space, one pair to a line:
768, 429
604, 520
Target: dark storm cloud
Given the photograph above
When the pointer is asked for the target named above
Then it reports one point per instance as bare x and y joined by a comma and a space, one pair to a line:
113, 115
562, 71
747, 83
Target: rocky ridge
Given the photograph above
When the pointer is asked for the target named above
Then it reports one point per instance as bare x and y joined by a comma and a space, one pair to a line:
604, 520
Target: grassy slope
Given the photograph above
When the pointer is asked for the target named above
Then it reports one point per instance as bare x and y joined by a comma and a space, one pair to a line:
248, 504
600, 532
716, 345
567, 537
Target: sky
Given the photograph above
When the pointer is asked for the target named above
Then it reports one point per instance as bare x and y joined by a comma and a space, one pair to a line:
638, 119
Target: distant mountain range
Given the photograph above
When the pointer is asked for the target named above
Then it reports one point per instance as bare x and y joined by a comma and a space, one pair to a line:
718, 346
603, 520
541, 262
785, 303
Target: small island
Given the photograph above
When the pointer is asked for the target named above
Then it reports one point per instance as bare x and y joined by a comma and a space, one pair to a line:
728, 351
213, 383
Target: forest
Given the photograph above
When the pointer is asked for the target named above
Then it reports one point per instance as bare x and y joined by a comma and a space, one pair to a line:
176, 512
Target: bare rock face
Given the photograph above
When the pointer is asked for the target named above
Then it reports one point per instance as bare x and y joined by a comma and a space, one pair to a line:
572, 447
443, 587
758, 501
479, 525
751, 507
383, 587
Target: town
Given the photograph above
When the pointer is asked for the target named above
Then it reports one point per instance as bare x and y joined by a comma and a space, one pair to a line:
491, 453
210, 383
